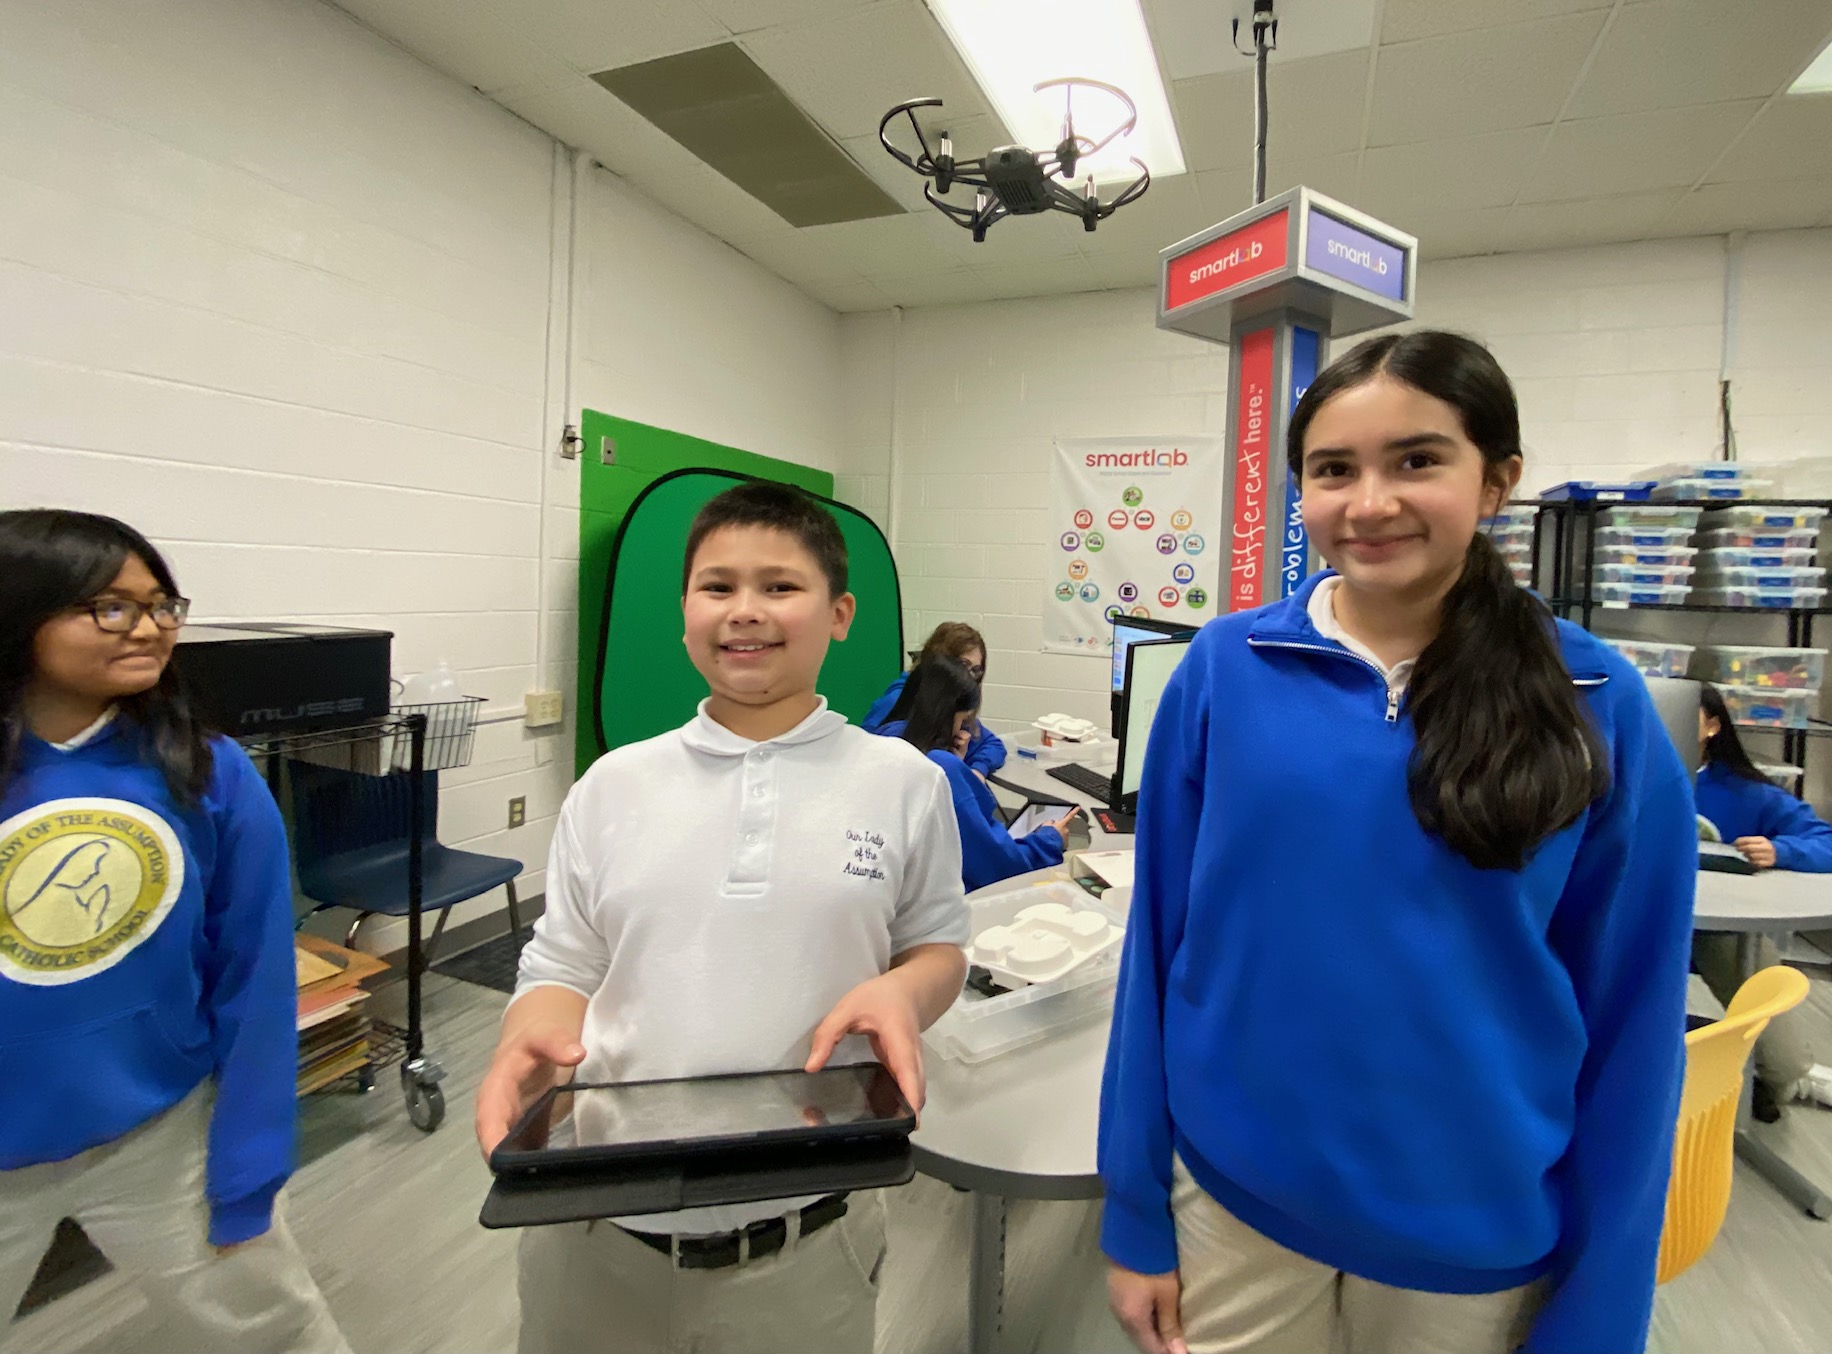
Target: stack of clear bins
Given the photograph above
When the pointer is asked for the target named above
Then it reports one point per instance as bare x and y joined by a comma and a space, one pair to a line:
1511, 533
1761, 556
1713, 481
1764, 686
977, 1028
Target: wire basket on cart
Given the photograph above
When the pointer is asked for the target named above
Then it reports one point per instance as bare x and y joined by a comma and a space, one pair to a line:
451, 735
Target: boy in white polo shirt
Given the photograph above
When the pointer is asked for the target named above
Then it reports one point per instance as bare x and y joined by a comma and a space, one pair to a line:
768, 887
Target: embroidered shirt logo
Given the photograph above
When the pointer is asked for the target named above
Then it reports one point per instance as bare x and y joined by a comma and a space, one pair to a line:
862, 850
82, 883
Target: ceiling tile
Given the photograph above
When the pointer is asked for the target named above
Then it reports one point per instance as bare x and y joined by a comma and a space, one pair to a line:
1409, 20
1136, 271
1171, 211
747, 16
472, 40
800, 260
1013, 279
1791, 137
1225, 192
1451, 235
582, 114
930, 289
1195, 37
1427, 178
1557, 225
846, 297
972, 137
1719, 208
1602, 156
899, 244
1517, 76
590, 35
1682, 52
1336, 176
1315, 108
846, 70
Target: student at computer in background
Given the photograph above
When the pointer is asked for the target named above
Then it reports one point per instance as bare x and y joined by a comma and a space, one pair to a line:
1448, 855
985, 751
147, 996
943, 697
1773, 830
765, 888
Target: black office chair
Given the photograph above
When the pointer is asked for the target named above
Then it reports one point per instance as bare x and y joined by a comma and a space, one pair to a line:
351, 838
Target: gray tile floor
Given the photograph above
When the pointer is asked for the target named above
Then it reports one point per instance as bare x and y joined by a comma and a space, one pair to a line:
388, 1217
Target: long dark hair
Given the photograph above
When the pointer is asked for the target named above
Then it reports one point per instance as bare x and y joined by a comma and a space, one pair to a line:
1724, 748
942, 688
1505, 753
51, 560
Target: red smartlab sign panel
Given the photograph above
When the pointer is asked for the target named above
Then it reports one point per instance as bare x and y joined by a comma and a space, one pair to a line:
1254, 250
1252, 420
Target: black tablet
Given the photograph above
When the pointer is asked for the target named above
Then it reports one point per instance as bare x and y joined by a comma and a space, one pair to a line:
627, 1122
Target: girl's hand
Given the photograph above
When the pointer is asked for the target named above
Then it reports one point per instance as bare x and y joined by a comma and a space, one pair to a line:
1147, 1306
1758, 851
1062, 824
962, 741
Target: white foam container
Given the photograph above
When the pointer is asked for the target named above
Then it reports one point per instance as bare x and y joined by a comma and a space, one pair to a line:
1044, 942
1099, 753
1653, 657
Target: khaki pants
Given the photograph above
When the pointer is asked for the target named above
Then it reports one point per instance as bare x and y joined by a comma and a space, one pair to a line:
141, 1201
592, 1288
1784, 1051
1243, 1292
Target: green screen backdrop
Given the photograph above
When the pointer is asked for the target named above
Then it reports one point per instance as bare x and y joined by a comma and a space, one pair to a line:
640, 488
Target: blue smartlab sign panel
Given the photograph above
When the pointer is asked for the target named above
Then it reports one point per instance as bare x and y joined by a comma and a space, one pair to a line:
1338, 250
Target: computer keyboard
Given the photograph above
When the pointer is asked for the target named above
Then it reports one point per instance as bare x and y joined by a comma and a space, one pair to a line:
1088, 781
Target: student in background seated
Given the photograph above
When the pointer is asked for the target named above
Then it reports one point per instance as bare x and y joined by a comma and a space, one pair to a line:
943, 697
985, 752
1773, 830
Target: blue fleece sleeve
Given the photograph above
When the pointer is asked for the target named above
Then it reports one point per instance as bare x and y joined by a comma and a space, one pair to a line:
1803, 841
251, 995
985, 750
1135, 1125
881, 708
988, 852
1623, 930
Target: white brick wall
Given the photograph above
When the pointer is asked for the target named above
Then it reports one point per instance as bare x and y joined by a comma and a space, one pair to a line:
280, 295
1615, 352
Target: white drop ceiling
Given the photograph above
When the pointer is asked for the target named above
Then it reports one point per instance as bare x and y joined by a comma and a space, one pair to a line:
1481, 126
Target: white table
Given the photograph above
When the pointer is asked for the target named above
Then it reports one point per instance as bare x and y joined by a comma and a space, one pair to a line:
1774, 903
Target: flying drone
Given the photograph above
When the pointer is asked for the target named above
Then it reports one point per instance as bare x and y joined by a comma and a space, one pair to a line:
1014, 181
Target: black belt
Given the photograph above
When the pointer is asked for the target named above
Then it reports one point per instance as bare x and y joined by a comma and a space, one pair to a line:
721, 1251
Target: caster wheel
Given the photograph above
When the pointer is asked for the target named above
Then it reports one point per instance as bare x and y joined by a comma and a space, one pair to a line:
425, 1105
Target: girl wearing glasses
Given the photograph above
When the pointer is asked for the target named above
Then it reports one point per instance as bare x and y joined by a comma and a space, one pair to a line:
957, 640
147, 996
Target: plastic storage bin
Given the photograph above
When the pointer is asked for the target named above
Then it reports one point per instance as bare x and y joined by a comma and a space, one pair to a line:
1632, 594
1690, 490
1796, 519
1713, 574
1784, 774
1645, 575
1709, 470
1100, 753
1756, 557
1510, 537
1514, 515
1773, 706
1654, 537
1761, 665
1637, 515
1768, 599
1659, 556
1653, 657
1760, 538
1583, 490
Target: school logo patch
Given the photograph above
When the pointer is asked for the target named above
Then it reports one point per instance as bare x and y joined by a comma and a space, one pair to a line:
82, 883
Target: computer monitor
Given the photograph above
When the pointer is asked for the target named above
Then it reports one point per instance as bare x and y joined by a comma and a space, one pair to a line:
1149, 665
1127, 631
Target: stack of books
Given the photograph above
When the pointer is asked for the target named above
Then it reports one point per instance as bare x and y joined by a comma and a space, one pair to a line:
333, 1010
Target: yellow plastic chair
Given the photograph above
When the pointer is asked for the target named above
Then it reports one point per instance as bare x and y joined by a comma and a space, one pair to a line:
1705, 1147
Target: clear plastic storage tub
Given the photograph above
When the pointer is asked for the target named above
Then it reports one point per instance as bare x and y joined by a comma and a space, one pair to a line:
1761, 665
1632, 594
1653, 657
1760, 538
1645, 575
1757, 557
1637, 515
1659, 556
1514, 515
1768, 599
1713, 574
1510, 537
1759, 516
1784, 774
1686, 491
1774, 706
1708, 470
1658, 538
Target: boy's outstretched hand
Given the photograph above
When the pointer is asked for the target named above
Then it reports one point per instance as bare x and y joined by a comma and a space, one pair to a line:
539, 1047
893, 1010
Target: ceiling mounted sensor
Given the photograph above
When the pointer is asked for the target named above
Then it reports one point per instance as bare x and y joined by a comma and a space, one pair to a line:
720, 105
1014, 180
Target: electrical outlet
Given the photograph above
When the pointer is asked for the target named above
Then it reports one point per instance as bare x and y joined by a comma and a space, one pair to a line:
518, 811
543, 709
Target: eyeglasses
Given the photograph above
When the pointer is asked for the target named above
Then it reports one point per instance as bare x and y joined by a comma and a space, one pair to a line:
976, 670
120, 615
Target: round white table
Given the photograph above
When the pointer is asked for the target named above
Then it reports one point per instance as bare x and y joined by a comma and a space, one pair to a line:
1773, 903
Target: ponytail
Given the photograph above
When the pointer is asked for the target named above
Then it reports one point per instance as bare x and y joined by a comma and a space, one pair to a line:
1505, 755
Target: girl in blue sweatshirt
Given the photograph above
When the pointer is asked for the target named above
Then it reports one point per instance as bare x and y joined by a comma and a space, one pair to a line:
147, 993
1396, 1054
985, 751
1773, 830
943, 699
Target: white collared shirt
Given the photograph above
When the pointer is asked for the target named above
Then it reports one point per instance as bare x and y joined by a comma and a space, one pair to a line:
90, 734
1322, 612
713, 898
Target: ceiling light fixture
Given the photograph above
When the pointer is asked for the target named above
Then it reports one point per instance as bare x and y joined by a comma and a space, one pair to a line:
1015, 45
1817, 77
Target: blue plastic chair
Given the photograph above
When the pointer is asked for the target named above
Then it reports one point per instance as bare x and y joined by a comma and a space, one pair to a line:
350, 841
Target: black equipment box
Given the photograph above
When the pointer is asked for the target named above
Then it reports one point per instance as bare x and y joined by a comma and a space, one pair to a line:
261, 678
